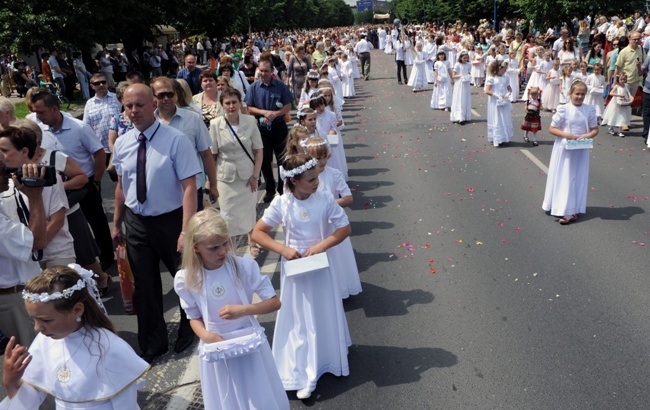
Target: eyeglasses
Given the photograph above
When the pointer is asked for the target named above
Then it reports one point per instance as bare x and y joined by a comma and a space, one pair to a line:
101, 82
614, 44
167, 94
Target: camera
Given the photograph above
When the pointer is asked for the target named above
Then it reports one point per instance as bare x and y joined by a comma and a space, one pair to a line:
32, 182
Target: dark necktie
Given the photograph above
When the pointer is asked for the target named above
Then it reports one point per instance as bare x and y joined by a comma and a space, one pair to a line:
141, 169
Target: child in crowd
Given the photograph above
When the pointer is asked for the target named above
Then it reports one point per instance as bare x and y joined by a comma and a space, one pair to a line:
478, 67
332, 181
76, 357
442, 92
418, 76
461, 100
618, 113
311, 86
348, 77
297, 136
326, 129
216, 289
513, 75
532, 121
565, 84
311, 332
551, 95
595, 83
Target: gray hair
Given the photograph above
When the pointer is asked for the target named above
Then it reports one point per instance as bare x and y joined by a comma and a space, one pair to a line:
7, 106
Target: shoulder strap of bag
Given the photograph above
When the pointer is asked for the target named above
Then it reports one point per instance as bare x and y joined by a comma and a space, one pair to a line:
239, 141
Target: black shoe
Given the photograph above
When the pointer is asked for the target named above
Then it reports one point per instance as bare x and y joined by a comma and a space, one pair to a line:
268, 197
149, 355
183, 343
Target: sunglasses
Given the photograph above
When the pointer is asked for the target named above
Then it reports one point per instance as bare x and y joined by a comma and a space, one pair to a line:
101, 82
165, 94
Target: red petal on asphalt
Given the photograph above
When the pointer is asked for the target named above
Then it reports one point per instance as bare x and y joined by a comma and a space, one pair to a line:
470, 189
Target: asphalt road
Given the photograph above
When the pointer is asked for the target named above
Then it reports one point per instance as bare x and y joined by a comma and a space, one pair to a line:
519, 311
473, 296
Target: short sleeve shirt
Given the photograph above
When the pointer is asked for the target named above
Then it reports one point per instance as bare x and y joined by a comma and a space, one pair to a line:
170, 159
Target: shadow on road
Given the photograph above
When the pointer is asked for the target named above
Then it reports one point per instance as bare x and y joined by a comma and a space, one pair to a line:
624, 213
381, 302
382, 365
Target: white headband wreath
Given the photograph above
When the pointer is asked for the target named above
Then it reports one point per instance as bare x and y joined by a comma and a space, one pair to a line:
284, 174
305, 144
86, 281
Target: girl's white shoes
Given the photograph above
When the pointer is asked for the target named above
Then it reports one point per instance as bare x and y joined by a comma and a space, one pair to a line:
303, 394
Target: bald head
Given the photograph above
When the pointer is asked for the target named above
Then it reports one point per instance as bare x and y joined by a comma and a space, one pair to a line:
139, 106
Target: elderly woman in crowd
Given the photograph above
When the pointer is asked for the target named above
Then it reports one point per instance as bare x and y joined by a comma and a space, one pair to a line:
208, 100
318, 57
237, 149
7, 113
297, 69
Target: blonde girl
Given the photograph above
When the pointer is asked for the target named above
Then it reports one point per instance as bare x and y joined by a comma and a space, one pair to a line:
595, 83
311, 332
618, 113
532, 121
332, 181
216, 289
297, 135
565, 84
551, 95
332, 102
567, 182
326, 127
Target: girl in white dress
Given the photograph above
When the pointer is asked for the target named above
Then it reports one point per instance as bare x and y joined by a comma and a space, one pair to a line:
327, 129
595, 84
442, 92
618, 113
389, 45
535, 60
418, 76
551, 95
478, 67
499, 113
513, 75
311, 86
334, 76
76, 357
348, 77
311, 332
332, 102
354, 61
543, 68
216, 289
332, 181
568, 171
565, 84
461, 101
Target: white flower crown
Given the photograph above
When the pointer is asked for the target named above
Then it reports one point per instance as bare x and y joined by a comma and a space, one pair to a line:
304, 143
47, 297
284, 174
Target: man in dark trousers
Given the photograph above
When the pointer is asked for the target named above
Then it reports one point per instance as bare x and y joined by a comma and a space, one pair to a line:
269, 100
155, 197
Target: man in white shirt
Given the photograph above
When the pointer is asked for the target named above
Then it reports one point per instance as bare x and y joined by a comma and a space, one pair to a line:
57, 73
190, 124
559, 43
362, 50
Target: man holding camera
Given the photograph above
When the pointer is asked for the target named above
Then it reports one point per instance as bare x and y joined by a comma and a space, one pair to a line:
16, 251
82, 145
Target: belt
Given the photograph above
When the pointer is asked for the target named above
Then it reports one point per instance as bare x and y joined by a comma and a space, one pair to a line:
12, 290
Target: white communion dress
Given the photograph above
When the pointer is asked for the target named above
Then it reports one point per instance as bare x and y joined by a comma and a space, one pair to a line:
104, 376
311, 332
